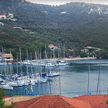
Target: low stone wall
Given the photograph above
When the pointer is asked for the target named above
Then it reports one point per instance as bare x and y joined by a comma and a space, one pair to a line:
10, 100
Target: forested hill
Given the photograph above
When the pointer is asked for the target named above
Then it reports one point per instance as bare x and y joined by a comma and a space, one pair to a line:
74, 25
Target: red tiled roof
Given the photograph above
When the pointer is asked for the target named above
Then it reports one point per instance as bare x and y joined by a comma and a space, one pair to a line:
25, 104
96, 101
56, 101
52, 101
78, 103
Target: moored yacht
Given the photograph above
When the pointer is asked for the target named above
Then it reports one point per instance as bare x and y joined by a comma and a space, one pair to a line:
61, 63
53, 74
6, 86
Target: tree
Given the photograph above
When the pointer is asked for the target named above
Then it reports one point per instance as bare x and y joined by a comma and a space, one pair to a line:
1, 98
2, 104
107, 103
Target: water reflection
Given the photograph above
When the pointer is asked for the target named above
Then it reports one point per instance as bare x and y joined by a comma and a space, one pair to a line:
73, 79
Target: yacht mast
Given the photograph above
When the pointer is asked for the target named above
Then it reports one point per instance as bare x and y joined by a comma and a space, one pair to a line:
20, 60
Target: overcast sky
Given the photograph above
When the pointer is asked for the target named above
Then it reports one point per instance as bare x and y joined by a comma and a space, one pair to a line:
59, 2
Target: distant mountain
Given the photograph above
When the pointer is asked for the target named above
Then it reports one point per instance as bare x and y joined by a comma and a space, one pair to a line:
75, 24
13, 1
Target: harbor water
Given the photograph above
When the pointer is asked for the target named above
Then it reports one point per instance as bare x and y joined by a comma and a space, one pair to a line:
77, 78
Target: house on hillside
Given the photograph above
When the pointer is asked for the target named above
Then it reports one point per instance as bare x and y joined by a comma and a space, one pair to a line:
84, 50
90, 51
20, 28
52, 47
10, 16
88, 48
3, 17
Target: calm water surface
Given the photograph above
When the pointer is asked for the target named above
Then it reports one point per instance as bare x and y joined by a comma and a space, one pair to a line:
73, 80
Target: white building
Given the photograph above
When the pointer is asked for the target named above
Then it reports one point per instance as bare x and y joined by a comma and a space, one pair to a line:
8, 57
52, 46
3, 17
10, 16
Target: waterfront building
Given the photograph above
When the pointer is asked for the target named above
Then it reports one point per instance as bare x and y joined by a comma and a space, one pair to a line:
8, 57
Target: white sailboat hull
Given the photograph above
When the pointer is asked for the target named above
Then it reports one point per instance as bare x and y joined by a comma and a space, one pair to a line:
52, 74
6, 86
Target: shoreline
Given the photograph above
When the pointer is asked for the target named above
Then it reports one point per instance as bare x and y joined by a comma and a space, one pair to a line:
79, 58
68, 59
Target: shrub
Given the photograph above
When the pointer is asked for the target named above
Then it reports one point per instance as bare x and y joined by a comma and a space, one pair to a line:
2, 104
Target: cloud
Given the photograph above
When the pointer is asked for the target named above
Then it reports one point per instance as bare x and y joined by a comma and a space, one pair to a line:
59, 2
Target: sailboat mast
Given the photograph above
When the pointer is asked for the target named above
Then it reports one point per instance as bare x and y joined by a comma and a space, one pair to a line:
88, 80
58, 52
64, 50
31, 62
53, 53
27, 59
40, 54
46, 53
35, 55
20, 60
27, 53
17, 64
98, 83
3, 54
20, 54
59, 80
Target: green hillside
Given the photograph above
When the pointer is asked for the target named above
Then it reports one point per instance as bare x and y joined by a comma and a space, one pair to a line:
74, 25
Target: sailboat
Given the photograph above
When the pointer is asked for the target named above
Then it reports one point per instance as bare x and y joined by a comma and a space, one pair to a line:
21, 80
4, 82
61, 63
32, 79
6, 86
51, 73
